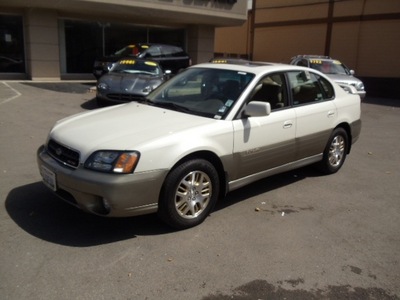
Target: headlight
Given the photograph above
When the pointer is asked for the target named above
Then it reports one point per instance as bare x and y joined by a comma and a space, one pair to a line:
348, 88
147, 89
110, 66
360, 86
121, 162
102, 86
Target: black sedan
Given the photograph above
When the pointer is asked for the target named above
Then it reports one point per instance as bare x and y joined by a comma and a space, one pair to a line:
129, 80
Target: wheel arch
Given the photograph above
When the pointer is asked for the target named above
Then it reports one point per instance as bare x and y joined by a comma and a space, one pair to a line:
347, 128
214, 160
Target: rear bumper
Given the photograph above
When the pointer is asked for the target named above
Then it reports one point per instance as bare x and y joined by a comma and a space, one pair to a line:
355, 131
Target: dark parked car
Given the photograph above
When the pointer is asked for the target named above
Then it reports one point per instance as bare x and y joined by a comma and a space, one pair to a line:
332, 68
169, 57
129, 79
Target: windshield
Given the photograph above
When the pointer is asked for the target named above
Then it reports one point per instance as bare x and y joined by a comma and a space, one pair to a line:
329, 66
202, 91
133, 66
131, 50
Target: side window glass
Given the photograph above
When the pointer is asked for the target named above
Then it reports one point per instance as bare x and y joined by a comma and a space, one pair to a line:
308, 87
326, 87
167, 51
153, 52
172, 51
271, 89
302, 63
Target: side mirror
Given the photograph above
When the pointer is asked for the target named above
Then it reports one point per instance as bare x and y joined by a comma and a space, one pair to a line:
257, 109
352, 72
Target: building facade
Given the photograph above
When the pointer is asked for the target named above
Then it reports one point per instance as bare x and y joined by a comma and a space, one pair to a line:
60, 39
363, 34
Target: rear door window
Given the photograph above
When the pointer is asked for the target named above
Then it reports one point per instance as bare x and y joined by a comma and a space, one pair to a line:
307, 87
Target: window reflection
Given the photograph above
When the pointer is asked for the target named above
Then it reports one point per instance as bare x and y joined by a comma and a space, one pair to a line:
12, 58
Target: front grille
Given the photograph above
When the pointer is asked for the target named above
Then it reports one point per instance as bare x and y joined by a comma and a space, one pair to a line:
63, 154
125, 97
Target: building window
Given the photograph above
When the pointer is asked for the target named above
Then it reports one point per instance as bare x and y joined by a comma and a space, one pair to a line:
84, 41
12, 56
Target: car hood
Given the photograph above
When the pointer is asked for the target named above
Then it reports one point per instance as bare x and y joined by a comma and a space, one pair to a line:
122, 127
131, 83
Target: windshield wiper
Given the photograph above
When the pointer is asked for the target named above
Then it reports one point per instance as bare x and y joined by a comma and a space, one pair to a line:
146, 101
171, 105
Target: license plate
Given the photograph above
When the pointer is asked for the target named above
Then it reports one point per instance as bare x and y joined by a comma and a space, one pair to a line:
49, 178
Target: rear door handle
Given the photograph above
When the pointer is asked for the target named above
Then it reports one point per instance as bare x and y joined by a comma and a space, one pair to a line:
331, 113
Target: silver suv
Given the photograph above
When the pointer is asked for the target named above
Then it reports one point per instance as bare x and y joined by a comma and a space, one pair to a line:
332, 68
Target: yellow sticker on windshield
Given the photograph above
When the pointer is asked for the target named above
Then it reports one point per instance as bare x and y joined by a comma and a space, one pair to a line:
150, 63
127, 62
315, 61
219, 61
336, 62
145, 46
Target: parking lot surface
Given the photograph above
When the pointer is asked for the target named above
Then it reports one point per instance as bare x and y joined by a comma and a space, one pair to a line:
299, 235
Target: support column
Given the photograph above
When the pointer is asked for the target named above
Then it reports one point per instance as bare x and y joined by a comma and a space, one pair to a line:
201, 43
43, 58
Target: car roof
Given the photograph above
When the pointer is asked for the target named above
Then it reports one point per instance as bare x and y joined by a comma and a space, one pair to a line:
248, 66
319, 57
152, 44
312, 56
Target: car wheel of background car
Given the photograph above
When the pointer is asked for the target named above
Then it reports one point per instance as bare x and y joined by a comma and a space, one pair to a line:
335, 151
189, 194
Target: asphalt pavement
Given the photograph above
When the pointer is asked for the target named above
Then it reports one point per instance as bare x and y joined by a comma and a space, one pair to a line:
298, 235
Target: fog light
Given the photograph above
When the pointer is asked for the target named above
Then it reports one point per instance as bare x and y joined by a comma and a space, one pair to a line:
107, 205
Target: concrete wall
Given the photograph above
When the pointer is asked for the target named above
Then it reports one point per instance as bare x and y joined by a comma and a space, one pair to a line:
364, 34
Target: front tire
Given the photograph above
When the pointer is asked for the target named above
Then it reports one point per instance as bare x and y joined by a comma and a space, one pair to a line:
335, 151
189, 194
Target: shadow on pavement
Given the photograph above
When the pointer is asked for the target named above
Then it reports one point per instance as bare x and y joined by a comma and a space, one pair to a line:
42, 214
382, 101
267, 184
90, 105
63, 87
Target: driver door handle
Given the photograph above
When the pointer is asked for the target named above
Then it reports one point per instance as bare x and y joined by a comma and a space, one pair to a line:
287, 124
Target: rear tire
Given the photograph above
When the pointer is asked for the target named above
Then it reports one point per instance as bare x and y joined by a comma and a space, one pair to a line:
335, 151
189, 193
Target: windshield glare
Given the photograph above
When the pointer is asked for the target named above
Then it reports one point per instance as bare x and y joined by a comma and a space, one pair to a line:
201, 91
329, 67
131, 50
136, 67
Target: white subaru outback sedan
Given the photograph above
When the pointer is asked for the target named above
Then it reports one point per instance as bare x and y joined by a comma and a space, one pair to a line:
211, 129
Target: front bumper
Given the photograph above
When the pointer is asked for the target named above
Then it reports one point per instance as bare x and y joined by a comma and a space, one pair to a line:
111, 195
117, 97
362, 94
